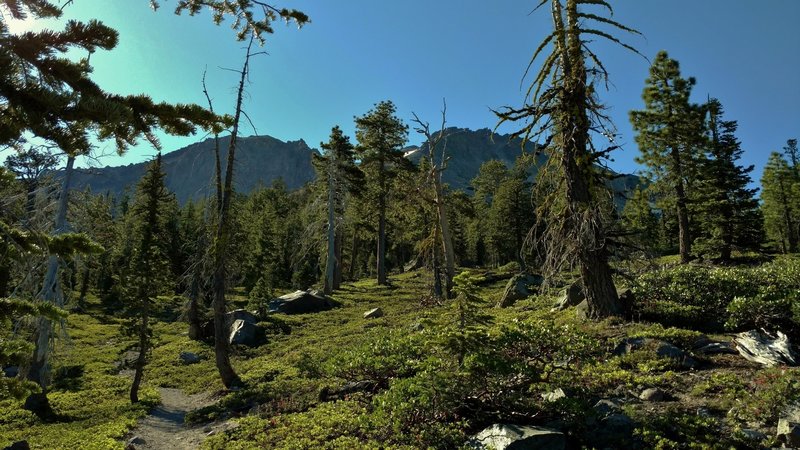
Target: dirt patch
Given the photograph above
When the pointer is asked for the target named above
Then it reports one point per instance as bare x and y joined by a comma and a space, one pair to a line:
165, 428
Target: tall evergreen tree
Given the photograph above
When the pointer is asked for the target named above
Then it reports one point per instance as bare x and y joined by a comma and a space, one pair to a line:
779, 191
381, 136
337, 167
670, 137
148, 272
729, 215
562, 100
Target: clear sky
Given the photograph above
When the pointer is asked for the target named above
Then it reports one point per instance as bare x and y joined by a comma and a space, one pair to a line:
473, 53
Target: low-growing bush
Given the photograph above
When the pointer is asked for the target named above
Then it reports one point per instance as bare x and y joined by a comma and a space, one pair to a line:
712, 299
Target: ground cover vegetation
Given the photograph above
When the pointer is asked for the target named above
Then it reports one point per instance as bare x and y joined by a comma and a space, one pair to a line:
426, 314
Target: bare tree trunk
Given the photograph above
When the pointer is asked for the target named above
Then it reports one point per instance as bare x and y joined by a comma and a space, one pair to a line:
39, 369
221, 346
331, 257
381, 250
337, 271
354, 253
447, 239
684, 238
141, 360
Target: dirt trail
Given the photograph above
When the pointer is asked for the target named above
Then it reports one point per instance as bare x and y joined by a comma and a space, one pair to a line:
164, 427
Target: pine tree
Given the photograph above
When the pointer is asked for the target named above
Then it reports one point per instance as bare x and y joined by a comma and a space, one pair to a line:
562, 101
779, 191
338, 169
381, 136
148, 272
639, 219
670, 137
729, 215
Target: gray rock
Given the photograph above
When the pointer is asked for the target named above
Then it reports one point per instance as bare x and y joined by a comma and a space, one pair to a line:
753, 435
373, 313
11, 371
652, 395
240, 314
189, 358
553, 396
765, 349
133, 442
582, 310
571, 296
606, 407
516, 437
518, 288
245, 333
19, 445
715, 348
788, 433
302, 302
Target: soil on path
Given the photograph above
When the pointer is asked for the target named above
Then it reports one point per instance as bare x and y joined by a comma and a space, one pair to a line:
164, 427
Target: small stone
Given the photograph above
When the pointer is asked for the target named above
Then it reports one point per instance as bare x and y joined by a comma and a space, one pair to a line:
189, 358
788, 433
652, 395
373, 313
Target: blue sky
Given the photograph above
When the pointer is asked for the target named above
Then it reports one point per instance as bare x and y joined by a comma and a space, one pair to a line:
473, 53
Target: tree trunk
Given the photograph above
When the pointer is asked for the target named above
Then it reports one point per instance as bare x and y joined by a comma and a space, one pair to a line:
330, 264
337, 271
39, 369
791, 235
142, 358
447, 239
87, 273
573, 126
354, 253
381, 250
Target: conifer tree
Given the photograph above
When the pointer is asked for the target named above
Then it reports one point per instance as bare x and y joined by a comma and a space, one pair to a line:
148, 271
729, 215
670, 137
562, 101
341, 176
639, 219
779, 191
381, 136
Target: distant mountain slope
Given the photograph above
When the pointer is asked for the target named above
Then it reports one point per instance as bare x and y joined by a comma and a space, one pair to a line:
190, 170
263, 159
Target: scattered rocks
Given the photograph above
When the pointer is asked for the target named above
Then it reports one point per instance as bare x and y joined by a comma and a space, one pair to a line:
788, 433
652, 395
553, 396
762, 348
189, 358
373, 313
302, 302
516, 437
571, 296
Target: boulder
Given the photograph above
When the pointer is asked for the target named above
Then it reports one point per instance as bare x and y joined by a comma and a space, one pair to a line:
240, 314
662, 349
11, 371
189, 358
517, 437
571, 296
788, 433
753, 435
652, 395
606, 407
762, 348
373, 313
518, 288
715, 348
245, 333
302, 302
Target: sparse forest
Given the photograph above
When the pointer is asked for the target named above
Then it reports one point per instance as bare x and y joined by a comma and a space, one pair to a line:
408, 296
